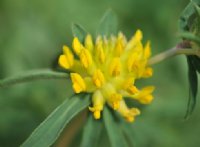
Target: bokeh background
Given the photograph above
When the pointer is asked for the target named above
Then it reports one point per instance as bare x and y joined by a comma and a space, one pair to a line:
32, 33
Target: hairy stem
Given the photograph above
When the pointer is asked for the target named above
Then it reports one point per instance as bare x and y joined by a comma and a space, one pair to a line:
162, 56
188, 52
32, 76
173, 52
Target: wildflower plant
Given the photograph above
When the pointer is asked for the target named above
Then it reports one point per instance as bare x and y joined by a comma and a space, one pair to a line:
108, 69
104, 71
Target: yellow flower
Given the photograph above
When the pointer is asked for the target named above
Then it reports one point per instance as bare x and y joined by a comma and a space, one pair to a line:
108, 69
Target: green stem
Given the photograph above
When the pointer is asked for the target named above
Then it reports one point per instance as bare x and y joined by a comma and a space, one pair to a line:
188, 52
173, 52
32, 76
162, 56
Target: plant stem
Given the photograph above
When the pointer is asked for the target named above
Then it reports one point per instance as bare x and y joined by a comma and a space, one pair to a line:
32, 76
173, 52
162, 56
188, 52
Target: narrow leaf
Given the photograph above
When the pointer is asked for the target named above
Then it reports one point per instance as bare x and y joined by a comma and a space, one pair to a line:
92, 132
129, 134
114, 131
190, 36
49, 130
196, 63
193, 82
79, 31
108, 24
32, 76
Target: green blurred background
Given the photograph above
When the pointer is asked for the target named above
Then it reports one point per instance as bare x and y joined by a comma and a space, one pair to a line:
32, 33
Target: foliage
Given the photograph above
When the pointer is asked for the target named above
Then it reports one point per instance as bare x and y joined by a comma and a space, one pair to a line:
48, 131
190, 30
27, 105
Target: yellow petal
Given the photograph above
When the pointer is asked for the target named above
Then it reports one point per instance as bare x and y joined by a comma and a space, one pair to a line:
135, 39
144, 96
98, 78
89, 43
66, 60
97, 114
148, 72
120, 44
78, 83
86, 58
100, 51
148, 89
147, 50
132, 89
115, 99
138, 35
133, 63
115, 67
77, 46
63, 62
128, 114
98, 102
98, 99
129, 87
146, 99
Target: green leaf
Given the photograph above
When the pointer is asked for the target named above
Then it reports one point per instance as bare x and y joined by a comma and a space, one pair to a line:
193, 82
92, 132
113, 129
129, 134
190, 28
108, 24
32, 76
188, 15
49, 130
79, 32
197, 8
190, 36
196, 63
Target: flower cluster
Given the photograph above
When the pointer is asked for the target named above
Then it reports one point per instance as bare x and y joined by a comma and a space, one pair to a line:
108, 68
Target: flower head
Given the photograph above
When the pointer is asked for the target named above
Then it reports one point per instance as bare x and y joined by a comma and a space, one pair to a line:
108, 69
